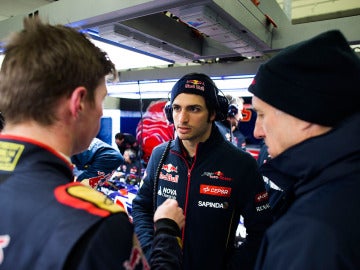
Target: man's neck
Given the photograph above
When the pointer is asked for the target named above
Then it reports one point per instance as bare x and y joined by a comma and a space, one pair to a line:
51, 136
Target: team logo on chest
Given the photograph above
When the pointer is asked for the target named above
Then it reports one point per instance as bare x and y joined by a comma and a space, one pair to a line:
217, 175
168, 175
215, 190
167, 192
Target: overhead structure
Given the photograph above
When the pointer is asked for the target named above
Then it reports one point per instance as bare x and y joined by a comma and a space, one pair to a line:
196, 31
188, 31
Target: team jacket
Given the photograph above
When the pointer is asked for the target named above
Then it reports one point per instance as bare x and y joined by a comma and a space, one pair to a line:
49, 222
318, 216
222, 183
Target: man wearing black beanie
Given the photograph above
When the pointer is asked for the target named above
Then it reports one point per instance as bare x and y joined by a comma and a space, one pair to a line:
314, 143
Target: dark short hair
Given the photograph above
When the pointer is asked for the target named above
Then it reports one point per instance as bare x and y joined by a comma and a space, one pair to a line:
119, 136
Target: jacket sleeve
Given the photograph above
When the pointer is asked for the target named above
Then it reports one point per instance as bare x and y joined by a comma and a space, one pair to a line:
257, 218
110, 245
143, 210
167, 246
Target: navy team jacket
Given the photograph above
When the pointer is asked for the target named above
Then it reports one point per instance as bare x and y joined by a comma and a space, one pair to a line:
222, 183
49, 222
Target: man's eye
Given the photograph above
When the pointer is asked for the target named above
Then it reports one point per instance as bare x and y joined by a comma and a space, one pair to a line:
194, 109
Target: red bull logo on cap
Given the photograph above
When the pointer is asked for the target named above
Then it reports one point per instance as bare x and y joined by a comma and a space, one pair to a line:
195, 84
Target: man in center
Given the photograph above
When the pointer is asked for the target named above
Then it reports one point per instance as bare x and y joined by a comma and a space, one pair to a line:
213, 181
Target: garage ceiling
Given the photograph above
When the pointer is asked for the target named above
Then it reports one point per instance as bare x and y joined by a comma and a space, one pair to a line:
298, 10
200, 31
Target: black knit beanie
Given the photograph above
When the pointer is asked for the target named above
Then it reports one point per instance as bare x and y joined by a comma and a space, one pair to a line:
316, 80
198, 84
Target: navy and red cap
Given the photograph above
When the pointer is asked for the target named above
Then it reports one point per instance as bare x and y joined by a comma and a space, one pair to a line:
198, 84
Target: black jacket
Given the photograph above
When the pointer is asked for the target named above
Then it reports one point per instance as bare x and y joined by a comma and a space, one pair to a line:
318, 215
222, 183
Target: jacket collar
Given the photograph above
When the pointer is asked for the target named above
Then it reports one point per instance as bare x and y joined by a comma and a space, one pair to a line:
299, 165
203, 147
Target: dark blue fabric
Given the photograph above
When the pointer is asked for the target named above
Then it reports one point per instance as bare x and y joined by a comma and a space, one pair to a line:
42, 231
318, 216
47, 234
211, 221
99, 159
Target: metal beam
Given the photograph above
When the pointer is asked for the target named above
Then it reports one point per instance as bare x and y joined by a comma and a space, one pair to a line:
86, 13
239, 13
163, 28
245, 16
287, 33
246, 67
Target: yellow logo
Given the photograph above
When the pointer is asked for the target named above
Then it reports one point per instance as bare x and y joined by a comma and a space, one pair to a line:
9, 155
78, 196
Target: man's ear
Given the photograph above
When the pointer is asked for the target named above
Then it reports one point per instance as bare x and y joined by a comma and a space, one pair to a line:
77, 101
212, 117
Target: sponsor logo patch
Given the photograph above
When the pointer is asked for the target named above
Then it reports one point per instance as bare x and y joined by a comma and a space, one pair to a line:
195, 84
218, 205
169, 177
262, 207
9, 155
4, 242
217, 175
169, 168
78, 196
215, 190
167, 192
136, 257
261, 197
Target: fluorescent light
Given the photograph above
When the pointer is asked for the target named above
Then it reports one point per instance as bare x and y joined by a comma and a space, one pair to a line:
127, 59
232, 85
124, 59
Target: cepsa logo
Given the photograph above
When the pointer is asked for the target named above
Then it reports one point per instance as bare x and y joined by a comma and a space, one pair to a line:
215, 190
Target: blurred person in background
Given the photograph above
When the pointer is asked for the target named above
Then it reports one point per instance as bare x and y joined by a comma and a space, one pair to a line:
125, 141
100, 160
229, 127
